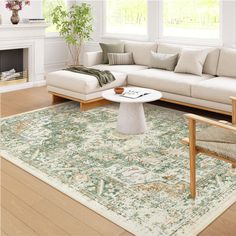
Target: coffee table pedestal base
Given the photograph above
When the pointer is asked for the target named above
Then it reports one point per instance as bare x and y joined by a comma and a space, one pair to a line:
131, 118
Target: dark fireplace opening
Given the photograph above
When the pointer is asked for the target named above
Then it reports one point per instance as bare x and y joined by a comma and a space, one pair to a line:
11, 59
13, 66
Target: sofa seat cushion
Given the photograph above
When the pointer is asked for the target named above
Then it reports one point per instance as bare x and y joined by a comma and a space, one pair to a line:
82, 83
218, 89
166, 81
120, 68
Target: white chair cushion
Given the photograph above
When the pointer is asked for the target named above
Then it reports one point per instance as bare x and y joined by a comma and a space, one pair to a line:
119, 68
141, 51
218, 140
217, 89
211, 63
82, 83
227, 62
166, 81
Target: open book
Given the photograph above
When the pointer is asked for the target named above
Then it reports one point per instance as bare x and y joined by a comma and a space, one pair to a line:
133, 94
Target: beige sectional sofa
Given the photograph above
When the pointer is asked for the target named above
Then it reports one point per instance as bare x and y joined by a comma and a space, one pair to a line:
211, 91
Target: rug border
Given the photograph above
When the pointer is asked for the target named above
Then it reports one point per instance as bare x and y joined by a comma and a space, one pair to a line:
192, 230
84, 200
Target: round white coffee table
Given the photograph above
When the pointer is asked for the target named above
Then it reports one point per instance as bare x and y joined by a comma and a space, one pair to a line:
131, 118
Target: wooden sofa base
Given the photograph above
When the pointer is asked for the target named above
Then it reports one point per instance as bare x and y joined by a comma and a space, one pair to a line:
196, 106
84, 105
89, 104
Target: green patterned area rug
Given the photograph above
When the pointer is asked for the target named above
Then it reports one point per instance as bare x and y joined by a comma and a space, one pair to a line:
140, 182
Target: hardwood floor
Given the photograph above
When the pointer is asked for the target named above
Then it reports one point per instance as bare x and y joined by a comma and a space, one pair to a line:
31, 207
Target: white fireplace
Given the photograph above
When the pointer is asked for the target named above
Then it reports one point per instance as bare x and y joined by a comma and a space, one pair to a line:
30, 38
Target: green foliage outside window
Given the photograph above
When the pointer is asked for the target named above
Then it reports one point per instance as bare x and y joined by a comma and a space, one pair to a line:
191, 14
127, 11
126, 16
48, 7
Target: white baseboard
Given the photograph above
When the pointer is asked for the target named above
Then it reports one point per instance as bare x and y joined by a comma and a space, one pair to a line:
15, 87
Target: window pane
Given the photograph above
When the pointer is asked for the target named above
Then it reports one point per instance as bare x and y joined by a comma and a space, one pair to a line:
126, 17
191, 18
48, 6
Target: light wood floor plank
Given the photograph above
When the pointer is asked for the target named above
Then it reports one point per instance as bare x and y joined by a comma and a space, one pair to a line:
13, 226
23, 100
29, 216
3, 233
46, 208
25, 194
125, 233
63, 219
79, 211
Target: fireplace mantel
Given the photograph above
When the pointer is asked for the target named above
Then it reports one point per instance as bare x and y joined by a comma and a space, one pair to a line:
31, 37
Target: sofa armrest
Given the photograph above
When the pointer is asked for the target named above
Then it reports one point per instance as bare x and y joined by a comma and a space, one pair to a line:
92, 58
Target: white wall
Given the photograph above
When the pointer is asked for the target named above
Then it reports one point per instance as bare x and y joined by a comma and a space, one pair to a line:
56, 52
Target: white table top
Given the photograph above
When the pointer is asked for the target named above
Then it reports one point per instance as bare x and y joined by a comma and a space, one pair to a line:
152, 96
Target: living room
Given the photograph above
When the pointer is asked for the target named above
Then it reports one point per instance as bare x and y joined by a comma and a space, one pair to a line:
118, 117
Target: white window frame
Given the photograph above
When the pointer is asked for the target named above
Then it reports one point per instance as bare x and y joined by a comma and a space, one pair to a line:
106, 35
188, 40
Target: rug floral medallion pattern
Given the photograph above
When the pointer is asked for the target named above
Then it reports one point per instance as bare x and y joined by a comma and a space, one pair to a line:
140, 180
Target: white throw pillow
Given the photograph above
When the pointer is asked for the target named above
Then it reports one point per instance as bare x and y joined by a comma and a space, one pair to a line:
191, 61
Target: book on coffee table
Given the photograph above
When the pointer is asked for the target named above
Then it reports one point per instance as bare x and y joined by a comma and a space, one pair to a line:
133, 94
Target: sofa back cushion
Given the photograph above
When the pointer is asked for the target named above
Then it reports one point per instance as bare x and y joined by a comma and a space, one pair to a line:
211, 63
141, 51
227, 63
169, 48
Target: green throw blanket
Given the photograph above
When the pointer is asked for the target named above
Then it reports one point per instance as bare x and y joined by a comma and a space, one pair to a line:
103, 77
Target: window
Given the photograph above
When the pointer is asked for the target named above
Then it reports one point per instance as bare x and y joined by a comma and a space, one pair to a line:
191, 19
48, 6
127, 17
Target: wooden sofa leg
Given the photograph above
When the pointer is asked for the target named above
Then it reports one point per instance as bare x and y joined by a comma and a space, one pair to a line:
56, 99
83, 106
192, 156
89, 105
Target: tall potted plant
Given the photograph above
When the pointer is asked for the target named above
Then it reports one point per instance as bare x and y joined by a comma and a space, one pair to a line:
75, 26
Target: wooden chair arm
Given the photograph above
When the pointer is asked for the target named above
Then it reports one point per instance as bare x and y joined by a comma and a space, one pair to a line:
233, 110
209, 122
